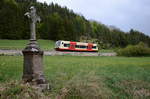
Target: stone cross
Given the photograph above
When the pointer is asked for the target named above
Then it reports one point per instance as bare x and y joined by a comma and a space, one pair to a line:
33, 56
34, 18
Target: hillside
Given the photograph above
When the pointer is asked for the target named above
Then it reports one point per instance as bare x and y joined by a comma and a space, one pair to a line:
60, 23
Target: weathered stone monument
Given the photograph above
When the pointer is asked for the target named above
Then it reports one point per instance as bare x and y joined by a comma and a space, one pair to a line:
33, 55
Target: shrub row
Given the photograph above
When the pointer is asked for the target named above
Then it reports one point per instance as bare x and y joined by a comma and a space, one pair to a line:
134, 50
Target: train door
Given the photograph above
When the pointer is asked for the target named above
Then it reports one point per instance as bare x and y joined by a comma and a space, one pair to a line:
90, 47
72, 45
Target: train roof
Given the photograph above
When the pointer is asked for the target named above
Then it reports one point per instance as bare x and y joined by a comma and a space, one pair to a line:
76, 42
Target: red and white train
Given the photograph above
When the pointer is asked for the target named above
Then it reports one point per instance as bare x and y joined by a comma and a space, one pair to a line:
75, 46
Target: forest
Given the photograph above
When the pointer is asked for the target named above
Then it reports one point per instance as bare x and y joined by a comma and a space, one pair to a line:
61, 23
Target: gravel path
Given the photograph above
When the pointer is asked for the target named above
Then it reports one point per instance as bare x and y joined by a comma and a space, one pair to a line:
53, 53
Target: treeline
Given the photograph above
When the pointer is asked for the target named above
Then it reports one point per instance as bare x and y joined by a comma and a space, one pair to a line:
60, 23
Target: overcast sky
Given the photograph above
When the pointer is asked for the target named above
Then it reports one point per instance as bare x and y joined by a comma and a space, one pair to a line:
124, 14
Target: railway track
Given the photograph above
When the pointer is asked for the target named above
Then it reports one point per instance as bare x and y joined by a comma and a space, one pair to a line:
61, 53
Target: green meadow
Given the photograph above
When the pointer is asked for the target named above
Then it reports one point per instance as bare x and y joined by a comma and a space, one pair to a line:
20, 44
76, 77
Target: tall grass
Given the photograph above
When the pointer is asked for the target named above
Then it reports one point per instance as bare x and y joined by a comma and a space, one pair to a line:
85, 77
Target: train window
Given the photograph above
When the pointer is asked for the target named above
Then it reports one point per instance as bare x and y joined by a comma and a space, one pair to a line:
83, 46
66, 45
94, 47
77, 46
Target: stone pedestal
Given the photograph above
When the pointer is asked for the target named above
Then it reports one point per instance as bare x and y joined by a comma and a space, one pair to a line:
33, 65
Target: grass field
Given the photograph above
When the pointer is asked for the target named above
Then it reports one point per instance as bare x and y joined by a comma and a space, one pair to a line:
20, 44
78, 77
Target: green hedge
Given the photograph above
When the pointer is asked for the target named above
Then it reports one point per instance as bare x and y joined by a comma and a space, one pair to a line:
134, 50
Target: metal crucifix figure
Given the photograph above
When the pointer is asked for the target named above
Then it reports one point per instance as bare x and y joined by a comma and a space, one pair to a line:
34, 18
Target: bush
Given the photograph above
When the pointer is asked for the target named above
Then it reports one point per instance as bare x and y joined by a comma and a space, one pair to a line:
134, 50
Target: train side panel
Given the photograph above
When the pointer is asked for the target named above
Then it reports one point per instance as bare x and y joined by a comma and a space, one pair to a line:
75, 46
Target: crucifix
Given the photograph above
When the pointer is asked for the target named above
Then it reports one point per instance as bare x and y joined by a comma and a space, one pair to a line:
33, 55
34, 18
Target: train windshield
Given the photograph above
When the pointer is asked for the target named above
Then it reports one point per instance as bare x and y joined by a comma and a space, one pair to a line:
58, 43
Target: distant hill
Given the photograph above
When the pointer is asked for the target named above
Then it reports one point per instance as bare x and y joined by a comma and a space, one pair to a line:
60, 23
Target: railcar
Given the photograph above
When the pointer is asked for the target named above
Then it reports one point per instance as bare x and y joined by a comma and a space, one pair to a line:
75, 46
